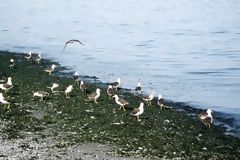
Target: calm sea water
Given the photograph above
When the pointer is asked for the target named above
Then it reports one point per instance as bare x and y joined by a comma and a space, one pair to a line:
186, 50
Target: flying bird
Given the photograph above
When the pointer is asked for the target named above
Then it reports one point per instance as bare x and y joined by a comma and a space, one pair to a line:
72, 41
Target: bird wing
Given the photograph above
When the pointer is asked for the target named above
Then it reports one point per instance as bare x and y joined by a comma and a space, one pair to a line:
71, 41
91, 96
207, 120
123, 101
135, 111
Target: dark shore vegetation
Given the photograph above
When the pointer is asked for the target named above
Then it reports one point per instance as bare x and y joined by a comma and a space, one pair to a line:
73, 121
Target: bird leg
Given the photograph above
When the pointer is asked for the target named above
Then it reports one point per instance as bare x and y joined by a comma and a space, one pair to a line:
123, 108
95, 101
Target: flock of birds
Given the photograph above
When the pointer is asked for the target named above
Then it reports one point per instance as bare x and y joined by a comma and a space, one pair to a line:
205, 117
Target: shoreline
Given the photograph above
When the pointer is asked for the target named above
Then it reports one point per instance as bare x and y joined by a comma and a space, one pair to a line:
153, 137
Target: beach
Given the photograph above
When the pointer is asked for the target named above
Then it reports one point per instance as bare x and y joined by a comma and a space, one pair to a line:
68, 128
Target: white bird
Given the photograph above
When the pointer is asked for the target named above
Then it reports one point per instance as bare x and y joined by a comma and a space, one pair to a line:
149, 98
7, 86
11, 63
68, 90
161, 101
94, 96
28, 55
138, 88
4, 101
206, 117
138, 111
40, 94
121, 102
54, 85
76, 77
83, 87
110, 91
116, 84
50, 69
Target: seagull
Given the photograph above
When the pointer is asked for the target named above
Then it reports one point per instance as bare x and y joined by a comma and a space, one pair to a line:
94, 96
11, 63
40, 94
36, 57
28, 55
138, 111
110, 91
54, 85
116, 84
161, 101
4, 101
7, 86
50, 69
68, 90
83, 87
138, 88
76, 77
121, 102
149, 98
72, 41
206, 117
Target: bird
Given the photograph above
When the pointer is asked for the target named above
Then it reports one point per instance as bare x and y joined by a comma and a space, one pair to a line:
49, 70
40, 94
138, 111
8, 85
72, 41
83, 87
138, 88
161, 101
54, 85
36, 57
110, 91
149, 98
76, 77
116, 84
121, 102
68, 90
4, 101
94, 96
11, 63
28, 55
206, 117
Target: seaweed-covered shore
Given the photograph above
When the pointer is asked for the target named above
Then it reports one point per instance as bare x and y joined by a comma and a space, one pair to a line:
65, 128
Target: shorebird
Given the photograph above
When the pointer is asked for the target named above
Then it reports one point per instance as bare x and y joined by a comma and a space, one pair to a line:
72, 41
76, 77
7, 86
40, 94
11, 63
138, 88
36, 57
149, 99
206, 117
94, 96
161, 101
49, 70
68, 90
83, 87
138, 111
4, 101
110, 91
54, 85
116, 84
28, 55
121, 102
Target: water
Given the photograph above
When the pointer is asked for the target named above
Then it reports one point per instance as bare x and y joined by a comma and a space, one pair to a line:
186, 50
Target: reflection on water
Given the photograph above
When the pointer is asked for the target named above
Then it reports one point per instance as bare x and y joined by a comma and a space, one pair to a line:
186, 50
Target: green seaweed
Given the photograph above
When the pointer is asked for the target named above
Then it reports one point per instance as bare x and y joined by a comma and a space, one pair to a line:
160, 134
